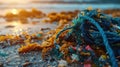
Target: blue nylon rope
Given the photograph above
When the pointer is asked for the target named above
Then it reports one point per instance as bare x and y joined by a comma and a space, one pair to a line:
56, 45
105, 40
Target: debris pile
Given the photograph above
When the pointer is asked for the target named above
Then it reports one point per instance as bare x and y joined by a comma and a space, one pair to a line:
90, 32
91, 40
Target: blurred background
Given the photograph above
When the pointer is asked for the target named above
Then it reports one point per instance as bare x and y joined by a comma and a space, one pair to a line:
20, 9
32, 16
47, 5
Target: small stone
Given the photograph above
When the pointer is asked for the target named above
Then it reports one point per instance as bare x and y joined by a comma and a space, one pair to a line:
62, 63
26, 64
9, 26
3, 46
45, 29
1, 64
2, 54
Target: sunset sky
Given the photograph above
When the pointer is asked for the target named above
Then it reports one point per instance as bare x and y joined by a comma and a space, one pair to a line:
14, 1
37, 1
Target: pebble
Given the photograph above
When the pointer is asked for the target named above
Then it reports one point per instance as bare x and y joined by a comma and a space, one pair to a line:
62, 63
26, 64
9, 26
1, 64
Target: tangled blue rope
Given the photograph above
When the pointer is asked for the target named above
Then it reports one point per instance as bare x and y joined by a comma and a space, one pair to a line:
108, 48
101, 28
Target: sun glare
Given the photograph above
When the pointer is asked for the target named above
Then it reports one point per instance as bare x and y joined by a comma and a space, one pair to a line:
16, 23
14, 11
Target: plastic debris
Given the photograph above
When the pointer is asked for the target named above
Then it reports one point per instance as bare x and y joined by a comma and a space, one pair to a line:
90, 40
94, 28
62, 63
1, 64
75, 57
38, 35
